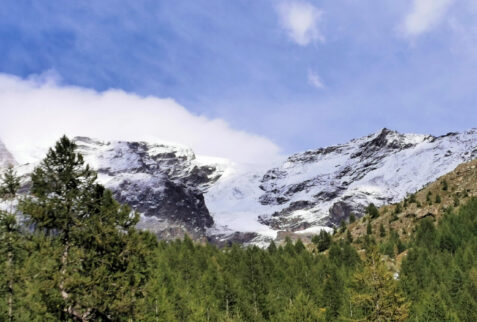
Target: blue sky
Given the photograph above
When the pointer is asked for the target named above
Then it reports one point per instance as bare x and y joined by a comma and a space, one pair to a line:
303, 74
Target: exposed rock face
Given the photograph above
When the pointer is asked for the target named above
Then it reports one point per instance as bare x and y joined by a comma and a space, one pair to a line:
320, 188
162, 182
178, 193
324, 186
6, 157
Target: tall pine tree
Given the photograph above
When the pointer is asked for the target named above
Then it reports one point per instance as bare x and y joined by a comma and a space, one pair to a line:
9, 235
103, 266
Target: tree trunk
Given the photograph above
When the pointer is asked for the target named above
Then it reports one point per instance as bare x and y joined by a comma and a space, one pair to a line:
10, 268
69, 308
64, 263
10, 280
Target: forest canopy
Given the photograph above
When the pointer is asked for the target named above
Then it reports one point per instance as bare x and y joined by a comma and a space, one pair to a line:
70, 252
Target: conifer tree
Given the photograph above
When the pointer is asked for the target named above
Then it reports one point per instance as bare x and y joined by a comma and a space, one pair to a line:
382, 230
349, 237
369, 228
302, 309
342, 226
375, 294
428, 197
433, 308
352, 218
372, 211
445, 186
63, 191
322, 240
9, 234
103, 263
398, 209
333, 292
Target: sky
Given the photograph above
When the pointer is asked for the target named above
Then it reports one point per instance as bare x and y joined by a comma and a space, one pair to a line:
245, 79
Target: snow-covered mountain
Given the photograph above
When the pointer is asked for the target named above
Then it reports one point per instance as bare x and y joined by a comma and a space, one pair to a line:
6, 157
319, 188
178, 192
165, 183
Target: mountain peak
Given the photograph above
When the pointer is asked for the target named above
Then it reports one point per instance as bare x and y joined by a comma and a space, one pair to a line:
177, 192
386, 138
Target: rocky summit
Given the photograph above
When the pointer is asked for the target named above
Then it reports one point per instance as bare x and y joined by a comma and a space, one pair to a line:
317, 189
179, 193
164, 183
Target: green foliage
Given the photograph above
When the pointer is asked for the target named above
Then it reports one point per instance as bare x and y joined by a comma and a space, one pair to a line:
398, 209
349, 237
11, 248
10, 183
444, 184
322, 240
393, 245
438, 199
83, 260
439, 274
301, 308
456, 201
352, 218
375, 294
372, 211
428, 197
101, 260
382, 230
342, 228
369, 229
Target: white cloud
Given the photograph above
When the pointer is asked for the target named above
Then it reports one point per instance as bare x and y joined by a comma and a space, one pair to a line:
425, 15
300, 20
315, 80
35, 112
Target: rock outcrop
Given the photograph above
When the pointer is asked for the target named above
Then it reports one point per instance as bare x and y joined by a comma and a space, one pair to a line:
178, 193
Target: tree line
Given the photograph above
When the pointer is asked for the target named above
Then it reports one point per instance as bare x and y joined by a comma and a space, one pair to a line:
70, 252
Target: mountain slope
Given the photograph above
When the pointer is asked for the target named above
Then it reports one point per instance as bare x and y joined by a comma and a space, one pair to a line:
6, 158
180, 193
162, 182
319, 188
449, 191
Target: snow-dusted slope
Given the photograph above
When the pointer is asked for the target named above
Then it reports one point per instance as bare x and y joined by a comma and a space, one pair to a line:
319, 188
177, 192
6, 157
163, 182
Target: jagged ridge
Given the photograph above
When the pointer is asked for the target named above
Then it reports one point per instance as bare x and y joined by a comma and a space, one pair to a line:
164, 183
177, 192
319, 188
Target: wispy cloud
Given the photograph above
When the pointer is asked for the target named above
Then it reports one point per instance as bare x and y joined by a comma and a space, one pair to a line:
300, 20
315, 80
37, 111
424, 16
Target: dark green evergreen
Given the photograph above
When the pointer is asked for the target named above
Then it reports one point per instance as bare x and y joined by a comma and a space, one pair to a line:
352, 218
102, 261
322, 240
372, 211
80, 259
